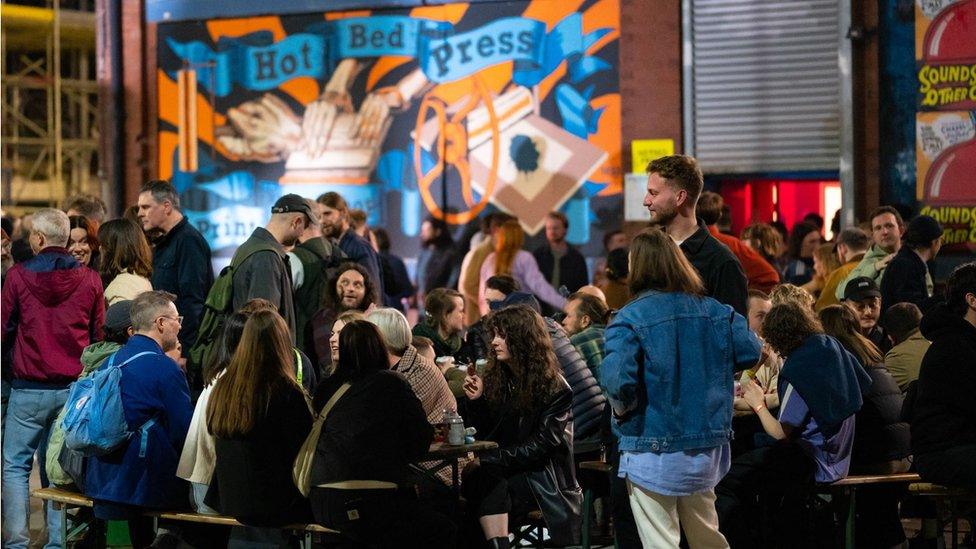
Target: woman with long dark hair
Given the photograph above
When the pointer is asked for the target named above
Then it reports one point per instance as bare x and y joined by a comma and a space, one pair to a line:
804, 239
524, 404
882, 441
671, 354
259, 415
126, 260
374, 428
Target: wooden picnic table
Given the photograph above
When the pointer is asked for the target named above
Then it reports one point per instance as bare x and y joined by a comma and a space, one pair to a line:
442, 454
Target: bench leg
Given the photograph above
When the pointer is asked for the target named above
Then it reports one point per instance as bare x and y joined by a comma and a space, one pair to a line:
64, 524
587, 508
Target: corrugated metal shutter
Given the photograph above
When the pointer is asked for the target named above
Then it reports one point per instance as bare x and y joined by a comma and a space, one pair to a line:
765, 89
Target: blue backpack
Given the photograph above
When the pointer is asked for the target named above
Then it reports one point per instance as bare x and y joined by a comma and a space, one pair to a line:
94, 422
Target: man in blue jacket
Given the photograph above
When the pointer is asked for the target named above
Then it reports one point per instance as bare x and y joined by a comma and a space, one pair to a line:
141, 473
181, 256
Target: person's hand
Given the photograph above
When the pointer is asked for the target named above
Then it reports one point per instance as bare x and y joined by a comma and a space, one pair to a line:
371, 308
320, 115
471, 465
753, 394
266, 130
474, 387
372, 117
880, 264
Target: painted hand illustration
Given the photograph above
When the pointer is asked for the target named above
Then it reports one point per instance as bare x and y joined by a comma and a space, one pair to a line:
266, 130
320, 115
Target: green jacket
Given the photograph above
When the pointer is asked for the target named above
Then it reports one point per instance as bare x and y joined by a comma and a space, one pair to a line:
864, 268
91, 358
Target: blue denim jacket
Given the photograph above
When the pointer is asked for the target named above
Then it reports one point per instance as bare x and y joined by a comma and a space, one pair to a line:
668, 371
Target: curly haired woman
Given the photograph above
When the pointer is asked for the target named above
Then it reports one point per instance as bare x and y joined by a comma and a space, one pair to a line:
525, 405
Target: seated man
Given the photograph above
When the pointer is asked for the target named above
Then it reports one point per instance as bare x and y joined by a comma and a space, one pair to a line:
863, 296
908, 345
141, 473
585, 321
944, 414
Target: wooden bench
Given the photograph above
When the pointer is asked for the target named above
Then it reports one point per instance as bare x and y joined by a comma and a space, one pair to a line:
67, 499
848, 487
947, 499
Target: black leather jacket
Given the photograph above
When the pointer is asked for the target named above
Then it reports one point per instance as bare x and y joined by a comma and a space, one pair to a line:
540, 446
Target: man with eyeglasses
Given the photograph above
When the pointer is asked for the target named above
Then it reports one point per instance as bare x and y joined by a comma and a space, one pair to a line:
141, 474
262, 267
52, 309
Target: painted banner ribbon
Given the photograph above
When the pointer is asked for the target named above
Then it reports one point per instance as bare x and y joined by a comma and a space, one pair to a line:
256, 62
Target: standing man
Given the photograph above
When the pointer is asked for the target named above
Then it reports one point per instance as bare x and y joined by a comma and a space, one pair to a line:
52, 308
261, 264
335, 227
309, 260
674, 184
852, 243
907, 278
887, 227
560, 263
759, 273
181, 256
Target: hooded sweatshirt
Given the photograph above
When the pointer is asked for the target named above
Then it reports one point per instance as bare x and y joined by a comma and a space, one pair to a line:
52, 308
944, 412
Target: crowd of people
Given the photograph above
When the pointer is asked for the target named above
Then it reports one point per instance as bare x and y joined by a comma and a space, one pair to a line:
716, 374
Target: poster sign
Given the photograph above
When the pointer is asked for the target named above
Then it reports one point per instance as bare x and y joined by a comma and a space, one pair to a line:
448, 111
643, 151
635, 187
945, 125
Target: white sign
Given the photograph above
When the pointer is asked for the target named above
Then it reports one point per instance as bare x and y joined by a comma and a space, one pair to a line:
635, 187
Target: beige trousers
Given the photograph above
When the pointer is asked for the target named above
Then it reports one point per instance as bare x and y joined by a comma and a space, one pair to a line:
660, 519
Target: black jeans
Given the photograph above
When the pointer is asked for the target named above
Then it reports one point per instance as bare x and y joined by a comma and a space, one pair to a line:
382, 518
778, 470
624, 526
951, 467
491, 490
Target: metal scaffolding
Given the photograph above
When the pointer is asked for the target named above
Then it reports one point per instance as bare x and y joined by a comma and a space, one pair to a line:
49, 104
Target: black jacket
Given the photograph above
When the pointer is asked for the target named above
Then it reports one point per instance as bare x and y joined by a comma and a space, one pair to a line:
374, 431
904, 280
540, 446
438, 267
266, 274
572, 267
253, 473
879, 433
944, 411
396, 281
590, 421
181, 266
316, 255
720, 270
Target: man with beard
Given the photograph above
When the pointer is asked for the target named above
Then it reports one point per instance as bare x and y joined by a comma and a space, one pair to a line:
350, 289
863, 297
266, 273
674, 184
334, 218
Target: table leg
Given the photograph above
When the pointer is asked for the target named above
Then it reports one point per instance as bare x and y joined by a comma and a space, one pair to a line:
455, 480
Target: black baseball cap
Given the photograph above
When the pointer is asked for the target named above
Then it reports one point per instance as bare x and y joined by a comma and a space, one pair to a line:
860, 288
293, 203
922, 230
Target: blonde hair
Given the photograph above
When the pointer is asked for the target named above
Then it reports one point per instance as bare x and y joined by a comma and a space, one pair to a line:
789, 293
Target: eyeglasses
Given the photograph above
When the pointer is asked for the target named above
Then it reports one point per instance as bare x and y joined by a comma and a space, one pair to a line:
178, 319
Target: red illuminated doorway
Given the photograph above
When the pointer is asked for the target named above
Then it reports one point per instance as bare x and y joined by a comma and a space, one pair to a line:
766, 200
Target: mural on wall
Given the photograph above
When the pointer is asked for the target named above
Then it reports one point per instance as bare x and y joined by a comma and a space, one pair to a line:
447, 111
945, 144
